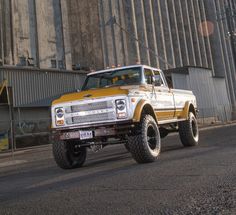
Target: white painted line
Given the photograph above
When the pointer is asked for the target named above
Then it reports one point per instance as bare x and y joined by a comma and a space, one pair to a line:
12, 163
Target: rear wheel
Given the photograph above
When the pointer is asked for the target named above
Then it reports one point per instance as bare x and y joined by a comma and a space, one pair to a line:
146, 145
188, 131
68, 155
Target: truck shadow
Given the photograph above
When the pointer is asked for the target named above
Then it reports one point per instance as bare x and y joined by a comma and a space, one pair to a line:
46, 179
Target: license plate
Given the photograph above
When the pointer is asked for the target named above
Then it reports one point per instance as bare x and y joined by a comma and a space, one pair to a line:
70, 135
86, 135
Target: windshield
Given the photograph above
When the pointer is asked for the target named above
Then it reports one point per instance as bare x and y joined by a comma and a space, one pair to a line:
120, 77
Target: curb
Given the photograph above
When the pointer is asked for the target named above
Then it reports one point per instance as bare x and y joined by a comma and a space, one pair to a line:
205, 128
32, 149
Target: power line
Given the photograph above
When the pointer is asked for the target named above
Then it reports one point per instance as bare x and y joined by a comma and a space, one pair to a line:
142, 43
113, 21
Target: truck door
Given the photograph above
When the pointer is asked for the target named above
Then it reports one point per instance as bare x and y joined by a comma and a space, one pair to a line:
148, 75
165, 106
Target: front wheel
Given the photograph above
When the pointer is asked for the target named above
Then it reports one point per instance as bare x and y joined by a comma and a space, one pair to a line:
188, 131
68, 155
146, 145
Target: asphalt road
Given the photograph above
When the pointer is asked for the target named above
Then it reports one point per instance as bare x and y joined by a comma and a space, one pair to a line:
198, 180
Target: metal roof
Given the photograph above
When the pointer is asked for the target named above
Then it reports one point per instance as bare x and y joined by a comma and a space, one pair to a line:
32, 86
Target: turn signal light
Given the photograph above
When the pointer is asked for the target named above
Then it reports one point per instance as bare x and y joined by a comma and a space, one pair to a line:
60, 122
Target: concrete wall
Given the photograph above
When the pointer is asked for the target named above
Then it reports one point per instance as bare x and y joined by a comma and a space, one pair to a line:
36, 31
84, 31
25, 30
6, 32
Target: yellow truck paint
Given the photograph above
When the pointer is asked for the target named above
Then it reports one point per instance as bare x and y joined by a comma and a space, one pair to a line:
139, 109
164, 115
159, 115
90, 94
184, 113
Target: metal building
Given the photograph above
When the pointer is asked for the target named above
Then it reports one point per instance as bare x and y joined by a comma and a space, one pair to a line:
58, 35
160, 33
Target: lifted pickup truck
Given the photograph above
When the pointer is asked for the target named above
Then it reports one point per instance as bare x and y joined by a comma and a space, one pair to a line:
130, 105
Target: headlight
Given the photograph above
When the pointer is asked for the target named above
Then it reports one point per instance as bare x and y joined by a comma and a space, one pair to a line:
120, 105
59, 112
60, 119
121, 109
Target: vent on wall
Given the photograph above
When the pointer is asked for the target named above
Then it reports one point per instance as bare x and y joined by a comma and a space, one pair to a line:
61, 64
22, 61
30, 61
26, 61
54, 64
57, 64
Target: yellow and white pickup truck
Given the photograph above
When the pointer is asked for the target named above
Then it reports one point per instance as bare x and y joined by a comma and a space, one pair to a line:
130, 105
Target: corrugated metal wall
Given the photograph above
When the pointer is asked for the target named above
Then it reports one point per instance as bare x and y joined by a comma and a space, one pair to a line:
201, 82
224, 108
211, 93
33, 85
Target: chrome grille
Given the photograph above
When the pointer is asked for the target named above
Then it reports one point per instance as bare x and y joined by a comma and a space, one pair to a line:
92, 106
93, 118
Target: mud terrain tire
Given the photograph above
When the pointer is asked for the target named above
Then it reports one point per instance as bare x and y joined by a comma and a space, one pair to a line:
67, 155
145, 147
188, 131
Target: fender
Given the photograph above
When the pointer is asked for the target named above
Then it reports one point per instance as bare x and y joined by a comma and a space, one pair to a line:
139, 108
187, 107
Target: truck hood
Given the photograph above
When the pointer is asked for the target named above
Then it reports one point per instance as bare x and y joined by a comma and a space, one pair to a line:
91, 94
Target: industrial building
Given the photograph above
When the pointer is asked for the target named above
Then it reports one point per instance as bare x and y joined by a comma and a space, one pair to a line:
47, 46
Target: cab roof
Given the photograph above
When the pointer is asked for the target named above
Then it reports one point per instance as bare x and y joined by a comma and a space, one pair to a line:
122, 67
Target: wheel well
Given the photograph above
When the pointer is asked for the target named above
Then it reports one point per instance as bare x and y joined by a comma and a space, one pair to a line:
147, 109
192, 109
